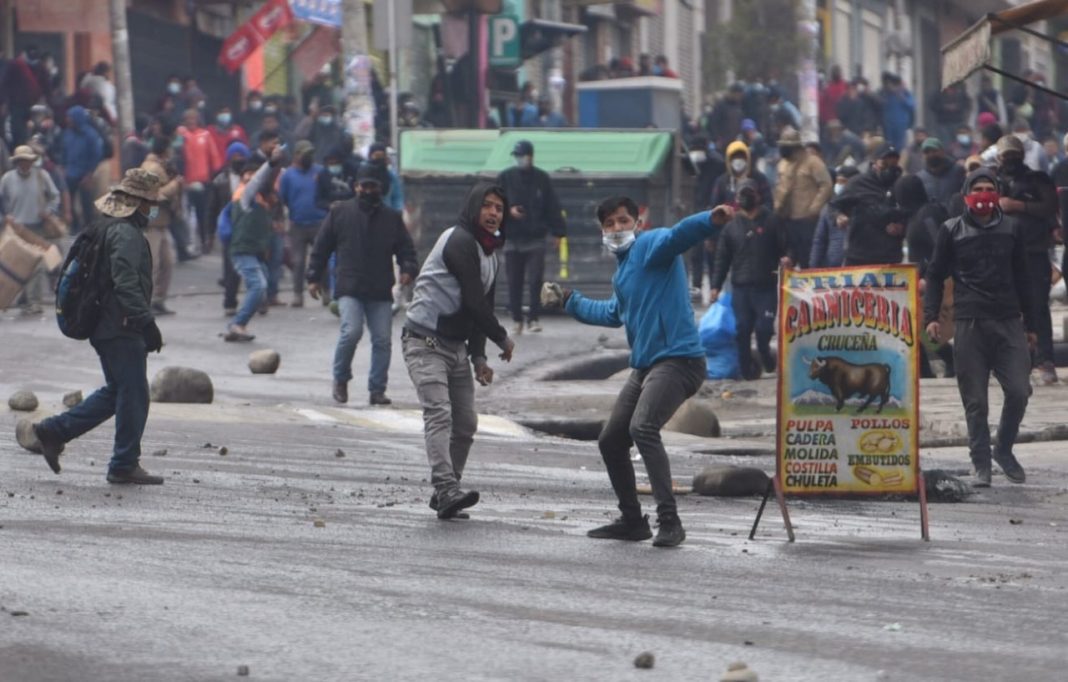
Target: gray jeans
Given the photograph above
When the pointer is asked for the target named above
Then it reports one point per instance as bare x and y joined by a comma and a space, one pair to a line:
445, 385
301, 241
980, 347
648, 400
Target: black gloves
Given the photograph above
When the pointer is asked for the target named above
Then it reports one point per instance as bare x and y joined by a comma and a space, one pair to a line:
153, 337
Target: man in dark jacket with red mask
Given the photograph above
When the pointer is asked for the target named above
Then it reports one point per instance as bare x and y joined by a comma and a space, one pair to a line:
445, 332
994, 317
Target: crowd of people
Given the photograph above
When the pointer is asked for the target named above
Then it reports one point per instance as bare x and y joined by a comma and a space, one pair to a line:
273, 188
874, 190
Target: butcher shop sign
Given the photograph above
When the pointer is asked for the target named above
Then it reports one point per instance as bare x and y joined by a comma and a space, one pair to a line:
848, 402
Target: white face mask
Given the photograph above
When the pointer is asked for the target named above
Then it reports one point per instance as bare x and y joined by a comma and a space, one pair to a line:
619, 242
698, 157
524, 161
838, 189
739, 165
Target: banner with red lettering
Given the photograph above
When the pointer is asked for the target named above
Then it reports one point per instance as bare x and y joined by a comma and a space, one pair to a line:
848, 401
239, 45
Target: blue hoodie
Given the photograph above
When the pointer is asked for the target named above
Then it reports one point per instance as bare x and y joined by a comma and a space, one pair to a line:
83, 148
297, 189
651, 294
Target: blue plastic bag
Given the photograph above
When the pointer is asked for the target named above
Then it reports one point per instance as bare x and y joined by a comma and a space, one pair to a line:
718, 330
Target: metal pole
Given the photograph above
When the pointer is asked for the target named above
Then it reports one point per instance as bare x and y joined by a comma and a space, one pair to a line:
359, 103
120, 49
7, 20
394, 62
808, 79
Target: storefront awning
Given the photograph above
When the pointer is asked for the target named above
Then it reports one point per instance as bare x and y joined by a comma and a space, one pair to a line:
537, 35
970, 51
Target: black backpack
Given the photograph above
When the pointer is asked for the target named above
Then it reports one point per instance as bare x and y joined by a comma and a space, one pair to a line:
84, 282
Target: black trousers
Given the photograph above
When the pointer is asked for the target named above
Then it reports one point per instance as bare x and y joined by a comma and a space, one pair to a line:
701, 260
231, 280
648, 400
982, 346
528, 265
799, 236
1041, 274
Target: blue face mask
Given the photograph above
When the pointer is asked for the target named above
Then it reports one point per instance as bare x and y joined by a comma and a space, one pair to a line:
334, 170
153, 212
224, 119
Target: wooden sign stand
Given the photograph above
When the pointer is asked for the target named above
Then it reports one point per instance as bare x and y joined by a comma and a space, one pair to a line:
774, 485
848, 337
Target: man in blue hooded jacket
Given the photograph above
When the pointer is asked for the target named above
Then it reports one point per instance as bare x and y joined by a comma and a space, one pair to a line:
651, 298
83, 150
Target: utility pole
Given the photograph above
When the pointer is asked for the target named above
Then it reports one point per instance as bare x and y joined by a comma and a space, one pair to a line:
120, 49
394, 65
807, 77
359, 102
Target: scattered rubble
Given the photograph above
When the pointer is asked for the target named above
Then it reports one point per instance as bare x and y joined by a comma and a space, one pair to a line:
23, 401
182, 385
72, 399
729, 481
264, 361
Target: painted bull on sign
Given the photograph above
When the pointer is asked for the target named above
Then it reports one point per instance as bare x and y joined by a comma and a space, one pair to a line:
846, 380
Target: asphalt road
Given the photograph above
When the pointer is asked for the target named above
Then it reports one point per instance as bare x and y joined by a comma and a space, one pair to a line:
225, 565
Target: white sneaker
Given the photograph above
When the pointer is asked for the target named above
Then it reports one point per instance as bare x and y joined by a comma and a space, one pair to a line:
533, 326
517, 330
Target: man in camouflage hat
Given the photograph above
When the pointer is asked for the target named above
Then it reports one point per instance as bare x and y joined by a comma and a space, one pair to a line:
124, 335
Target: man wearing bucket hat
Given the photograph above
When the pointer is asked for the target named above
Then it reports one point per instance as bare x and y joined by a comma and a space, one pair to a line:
803, 189
28, 197
125, 333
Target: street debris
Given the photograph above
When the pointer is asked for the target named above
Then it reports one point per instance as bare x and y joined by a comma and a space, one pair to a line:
1016, 522
644, 660
23, 401
730, 481
739, 672
182, 385
892, 627
339, 453
264, 361
242, 671
223, 451
26, 437
944, 487
695, 418
72, 399
319, 523
159, 453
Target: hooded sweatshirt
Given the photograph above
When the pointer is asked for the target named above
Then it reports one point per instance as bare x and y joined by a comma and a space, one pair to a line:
83, 148
988, 264
651, 294
869, 202
453, 295
750, 248
726, 187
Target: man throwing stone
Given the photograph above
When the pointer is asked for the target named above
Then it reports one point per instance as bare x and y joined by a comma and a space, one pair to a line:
366, 235
651, 299
445, 332
986, 255
124, 334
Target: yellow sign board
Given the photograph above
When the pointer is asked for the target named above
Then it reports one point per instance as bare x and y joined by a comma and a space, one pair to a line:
848, 401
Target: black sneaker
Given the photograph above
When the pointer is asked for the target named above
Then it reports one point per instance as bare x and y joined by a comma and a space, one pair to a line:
137, 476
434, 505
634, 530
670, 533
453, 500
51, 446
982, 476
1011, 467
380, 399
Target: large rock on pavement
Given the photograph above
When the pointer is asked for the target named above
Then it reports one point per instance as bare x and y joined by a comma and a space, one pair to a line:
696, 418
26, 437
182, 385
264, 361
728, 481
72, 399
23, 401
944, 487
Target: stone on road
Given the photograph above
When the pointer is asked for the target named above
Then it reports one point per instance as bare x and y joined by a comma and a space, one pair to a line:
264, 361
182, 385
23, 401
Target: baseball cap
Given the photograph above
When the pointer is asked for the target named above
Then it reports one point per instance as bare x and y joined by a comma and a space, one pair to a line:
523, 148
931, 143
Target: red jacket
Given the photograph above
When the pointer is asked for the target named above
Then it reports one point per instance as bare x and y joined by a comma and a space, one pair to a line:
832, 92
202, 156
223, 138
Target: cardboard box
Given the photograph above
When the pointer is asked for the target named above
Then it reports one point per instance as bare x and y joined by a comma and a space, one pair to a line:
18, 261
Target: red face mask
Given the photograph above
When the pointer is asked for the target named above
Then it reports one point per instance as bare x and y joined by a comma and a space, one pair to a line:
982, 203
